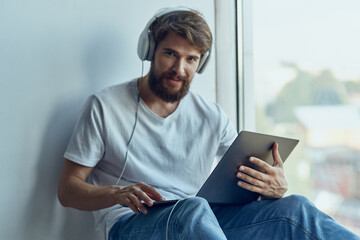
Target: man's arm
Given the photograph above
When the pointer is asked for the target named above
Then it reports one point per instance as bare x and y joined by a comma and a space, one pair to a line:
74, 191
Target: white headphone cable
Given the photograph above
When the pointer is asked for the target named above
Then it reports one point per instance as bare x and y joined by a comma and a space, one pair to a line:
129, 142
168, 220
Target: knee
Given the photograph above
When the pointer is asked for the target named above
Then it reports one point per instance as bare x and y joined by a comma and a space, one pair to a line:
194, 218
194, 205
195, 202
297, 205
297, 201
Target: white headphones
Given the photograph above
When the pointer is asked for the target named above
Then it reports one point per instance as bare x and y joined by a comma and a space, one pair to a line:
146, 44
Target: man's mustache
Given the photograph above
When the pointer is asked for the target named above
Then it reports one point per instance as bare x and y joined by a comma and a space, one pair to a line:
175, 76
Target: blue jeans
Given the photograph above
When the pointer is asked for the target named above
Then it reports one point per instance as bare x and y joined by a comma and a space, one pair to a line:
292, 217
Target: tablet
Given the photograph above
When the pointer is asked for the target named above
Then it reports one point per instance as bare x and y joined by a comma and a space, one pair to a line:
221, 186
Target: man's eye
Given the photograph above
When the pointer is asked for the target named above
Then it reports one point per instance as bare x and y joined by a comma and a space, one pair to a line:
192, 59
170, 53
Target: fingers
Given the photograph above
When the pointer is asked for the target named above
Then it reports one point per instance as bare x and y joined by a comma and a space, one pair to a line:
260, 163
132, 202
151, 192
131, 197
265, 166
251, 187
276, 155
251, 183
254, 180
271, 182
250, 175
135, 195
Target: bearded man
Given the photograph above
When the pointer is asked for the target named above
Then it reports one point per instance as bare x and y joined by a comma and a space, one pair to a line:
151, 139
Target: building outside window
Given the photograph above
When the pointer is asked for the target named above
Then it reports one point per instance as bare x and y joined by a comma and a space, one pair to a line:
306, 85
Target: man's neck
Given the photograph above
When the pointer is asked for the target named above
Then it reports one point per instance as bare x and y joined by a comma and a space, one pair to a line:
156, 104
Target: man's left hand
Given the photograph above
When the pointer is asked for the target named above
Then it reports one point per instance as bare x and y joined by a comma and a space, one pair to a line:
271, 183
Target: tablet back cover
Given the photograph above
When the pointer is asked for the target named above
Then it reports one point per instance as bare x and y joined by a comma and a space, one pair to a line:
221, 186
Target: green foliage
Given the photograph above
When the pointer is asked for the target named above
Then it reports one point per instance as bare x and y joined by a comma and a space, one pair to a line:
263, 123
306, 89
352, 86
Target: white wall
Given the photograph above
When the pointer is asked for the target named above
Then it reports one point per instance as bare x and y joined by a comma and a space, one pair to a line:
53, 54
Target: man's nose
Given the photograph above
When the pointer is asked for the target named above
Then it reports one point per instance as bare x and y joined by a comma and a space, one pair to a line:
179, 67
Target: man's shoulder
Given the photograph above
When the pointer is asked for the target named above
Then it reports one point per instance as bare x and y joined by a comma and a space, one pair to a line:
200, 102
120, 92
117, 90
114, 96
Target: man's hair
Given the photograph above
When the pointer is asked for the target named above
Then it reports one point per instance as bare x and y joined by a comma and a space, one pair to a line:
188, 24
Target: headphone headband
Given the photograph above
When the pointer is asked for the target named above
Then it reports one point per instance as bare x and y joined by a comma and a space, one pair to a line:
146, 44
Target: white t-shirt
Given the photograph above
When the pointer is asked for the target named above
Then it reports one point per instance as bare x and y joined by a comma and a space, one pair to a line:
172, 154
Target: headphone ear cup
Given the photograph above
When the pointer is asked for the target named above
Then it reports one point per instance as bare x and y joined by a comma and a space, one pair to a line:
203, 62
143, 45
152, 45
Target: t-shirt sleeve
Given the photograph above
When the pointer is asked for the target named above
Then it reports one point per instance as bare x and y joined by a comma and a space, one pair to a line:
86, 145
227, 134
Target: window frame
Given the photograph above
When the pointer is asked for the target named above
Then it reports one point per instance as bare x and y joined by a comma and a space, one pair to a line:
234, 62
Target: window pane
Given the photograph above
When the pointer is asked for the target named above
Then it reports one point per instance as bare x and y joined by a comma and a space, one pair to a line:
307, 86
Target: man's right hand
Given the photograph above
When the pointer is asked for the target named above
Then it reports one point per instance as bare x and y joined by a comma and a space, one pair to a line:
133, 196
74, 191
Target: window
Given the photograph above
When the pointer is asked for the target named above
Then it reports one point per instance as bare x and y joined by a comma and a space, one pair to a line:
301, 65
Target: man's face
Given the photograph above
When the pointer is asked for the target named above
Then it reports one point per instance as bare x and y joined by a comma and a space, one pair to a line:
174, 65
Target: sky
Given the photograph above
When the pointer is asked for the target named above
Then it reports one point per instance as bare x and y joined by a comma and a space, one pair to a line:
314, 34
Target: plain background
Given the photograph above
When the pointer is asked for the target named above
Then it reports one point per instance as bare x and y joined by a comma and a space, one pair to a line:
53, 54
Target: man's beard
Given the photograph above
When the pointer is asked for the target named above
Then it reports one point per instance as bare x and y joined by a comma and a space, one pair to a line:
156, 84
